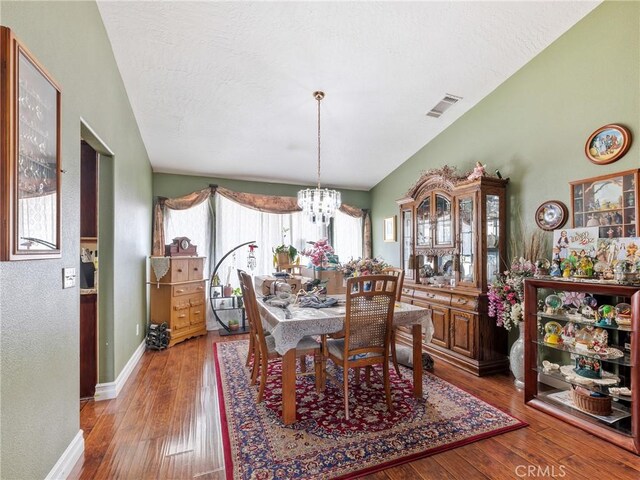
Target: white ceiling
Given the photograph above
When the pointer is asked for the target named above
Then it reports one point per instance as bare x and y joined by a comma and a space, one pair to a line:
225, 88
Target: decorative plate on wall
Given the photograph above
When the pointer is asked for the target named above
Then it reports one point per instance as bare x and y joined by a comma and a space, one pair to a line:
608, 144
551, 215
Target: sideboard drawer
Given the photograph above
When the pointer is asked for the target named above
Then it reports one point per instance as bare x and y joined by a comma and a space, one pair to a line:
443, 298
464, 302
187, 289
196, 268
180, 315
179, 270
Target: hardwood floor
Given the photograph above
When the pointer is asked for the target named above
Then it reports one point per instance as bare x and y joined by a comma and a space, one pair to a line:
165, 424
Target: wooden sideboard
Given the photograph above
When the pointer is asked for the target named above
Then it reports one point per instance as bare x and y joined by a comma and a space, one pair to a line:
178, 298
452, 245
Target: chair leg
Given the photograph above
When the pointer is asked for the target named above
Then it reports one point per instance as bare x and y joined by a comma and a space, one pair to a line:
356, 372
303, 364
251, 348
263, 377
387, 386
345, 382
367, 375
255, 368
394, 358
319, 371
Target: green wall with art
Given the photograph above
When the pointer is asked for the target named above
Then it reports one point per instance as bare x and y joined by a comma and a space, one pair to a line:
534, 126
39, 354
171, 185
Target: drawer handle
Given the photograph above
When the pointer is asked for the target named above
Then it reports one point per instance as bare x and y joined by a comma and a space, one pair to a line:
179, 270
197, 312
180, 290
195, 269
462, 300
431, 295
181, 316
200, 287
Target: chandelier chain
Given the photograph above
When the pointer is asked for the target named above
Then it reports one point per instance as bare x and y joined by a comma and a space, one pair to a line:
318, 98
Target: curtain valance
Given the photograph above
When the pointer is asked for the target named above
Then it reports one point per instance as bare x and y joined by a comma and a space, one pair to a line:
263, 203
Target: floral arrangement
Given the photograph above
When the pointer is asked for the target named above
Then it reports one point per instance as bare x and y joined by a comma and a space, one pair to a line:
319, 252
363, 266
506, 293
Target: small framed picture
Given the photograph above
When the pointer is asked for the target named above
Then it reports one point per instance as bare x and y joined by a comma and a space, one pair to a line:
608, 144
390, 229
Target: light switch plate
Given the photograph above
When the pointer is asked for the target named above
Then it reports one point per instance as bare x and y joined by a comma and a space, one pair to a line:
68, 277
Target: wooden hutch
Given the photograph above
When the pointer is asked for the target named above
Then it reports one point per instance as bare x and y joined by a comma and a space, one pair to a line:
452, 245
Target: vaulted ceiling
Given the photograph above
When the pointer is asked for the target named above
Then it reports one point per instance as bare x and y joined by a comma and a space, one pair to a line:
225, 88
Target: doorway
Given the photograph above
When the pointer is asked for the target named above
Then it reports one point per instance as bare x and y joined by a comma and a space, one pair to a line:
89, 185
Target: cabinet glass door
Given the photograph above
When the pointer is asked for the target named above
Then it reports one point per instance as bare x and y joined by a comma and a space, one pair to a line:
443, 232
493, 239
466, 246
407, 243
423, 223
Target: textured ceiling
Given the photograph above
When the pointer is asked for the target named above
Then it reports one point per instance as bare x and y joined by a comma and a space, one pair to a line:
225, 88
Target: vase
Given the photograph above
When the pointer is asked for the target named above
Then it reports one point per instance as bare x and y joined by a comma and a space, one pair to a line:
516, 357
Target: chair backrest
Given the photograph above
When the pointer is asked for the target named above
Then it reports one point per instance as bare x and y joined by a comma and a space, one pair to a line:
251, 308
369, 314
397, 272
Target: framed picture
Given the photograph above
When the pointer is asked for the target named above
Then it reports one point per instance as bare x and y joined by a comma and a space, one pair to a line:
551, 215
390, 229
30, 194
608, 144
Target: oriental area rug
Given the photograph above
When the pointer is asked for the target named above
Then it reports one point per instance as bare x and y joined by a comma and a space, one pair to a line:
322, 443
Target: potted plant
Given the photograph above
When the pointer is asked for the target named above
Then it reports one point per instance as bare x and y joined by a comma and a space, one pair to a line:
234, 325
237, 292
284, 255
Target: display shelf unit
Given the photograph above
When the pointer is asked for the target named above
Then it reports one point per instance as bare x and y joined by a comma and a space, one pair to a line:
550, 391
453, 234
608, 202
216, 296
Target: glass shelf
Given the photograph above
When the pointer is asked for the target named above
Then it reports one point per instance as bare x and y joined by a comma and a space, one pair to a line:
564, 318
604, 389
622, 425
624, 360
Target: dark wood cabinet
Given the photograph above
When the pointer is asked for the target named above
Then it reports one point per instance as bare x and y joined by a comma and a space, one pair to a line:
88, 345
88, 192
453, 233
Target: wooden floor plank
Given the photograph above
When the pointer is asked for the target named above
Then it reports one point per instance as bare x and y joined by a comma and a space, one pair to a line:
165, 424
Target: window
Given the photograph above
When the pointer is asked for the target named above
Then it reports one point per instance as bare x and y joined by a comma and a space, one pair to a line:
236, 224
347, 236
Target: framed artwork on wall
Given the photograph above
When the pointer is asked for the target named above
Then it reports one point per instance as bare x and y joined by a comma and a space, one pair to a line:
30, 155
607, 144
390, 229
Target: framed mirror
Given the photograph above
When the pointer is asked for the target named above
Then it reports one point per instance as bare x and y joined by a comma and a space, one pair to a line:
31, 155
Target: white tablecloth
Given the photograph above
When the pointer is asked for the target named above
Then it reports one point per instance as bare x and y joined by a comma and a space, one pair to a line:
287, 332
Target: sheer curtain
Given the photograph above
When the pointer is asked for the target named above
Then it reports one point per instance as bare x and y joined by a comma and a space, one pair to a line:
347, 236
195, 223
236, 224
37, 218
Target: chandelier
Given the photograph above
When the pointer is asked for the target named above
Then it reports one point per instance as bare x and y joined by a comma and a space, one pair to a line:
319, 204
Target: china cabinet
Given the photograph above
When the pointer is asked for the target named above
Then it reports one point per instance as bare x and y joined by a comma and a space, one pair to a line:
582, 356
29, 155
178, 298
609, 202
453, 243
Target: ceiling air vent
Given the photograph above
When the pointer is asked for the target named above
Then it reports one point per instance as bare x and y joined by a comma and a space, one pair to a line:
443, 105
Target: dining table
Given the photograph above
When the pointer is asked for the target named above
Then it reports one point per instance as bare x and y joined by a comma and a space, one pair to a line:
289, 325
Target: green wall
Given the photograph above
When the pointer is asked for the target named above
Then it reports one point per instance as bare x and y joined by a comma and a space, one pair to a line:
171, 185
534, 126
39, 377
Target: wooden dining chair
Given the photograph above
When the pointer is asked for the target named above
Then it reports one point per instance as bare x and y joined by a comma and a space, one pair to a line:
266, 344
367, 330
397, 272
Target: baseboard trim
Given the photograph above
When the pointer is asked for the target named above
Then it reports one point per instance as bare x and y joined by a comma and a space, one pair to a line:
69, 458
107, 391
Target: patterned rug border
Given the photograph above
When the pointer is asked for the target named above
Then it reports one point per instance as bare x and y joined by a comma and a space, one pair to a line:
226, 441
